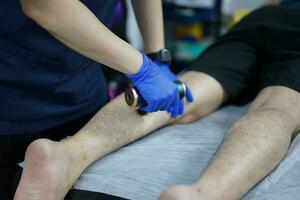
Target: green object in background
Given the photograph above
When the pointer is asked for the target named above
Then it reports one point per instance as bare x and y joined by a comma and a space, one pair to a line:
188, 51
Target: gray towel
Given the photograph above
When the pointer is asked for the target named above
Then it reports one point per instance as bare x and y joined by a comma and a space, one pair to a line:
177, 155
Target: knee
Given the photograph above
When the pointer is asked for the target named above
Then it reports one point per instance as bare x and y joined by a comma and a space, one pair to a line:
282, 118
267, 126
279, 101
265, 117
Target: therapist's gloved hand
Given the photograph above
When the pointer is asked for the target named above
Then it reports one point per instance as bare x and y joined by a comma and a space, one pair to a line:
166, 69
189, 96
159, 92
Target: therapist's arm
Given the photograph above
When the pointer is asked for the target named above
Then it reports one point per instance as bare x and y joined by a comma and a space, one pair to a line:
71, 22
150, 20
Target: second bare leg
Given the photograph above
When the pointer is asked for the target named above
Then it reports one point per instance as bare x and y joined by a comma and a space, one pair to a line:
251, 150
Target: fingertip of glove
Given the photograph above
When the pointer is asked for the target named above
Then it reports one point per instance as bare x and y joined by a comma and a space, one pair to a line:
189, 95
181, 108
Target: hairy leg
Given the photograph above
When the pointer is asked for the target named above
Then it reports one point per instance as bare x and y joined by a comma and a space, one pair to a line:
51, 168
251, 150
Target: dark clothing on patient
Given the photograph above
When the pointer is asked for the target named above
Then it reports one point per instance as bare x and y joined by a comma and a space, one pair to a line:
262, 50
42, 82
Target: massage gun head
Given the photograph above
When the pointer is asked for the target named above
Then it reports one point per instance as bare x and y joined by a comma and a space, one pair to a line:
131, 97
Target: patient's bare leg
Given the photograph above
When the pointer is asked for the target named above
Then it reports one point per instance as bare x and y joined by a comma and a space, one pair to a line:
51, 168
251, 150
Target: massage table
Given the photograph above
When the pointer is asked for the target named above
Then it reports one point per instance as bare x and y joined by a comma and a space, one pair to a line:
177, 155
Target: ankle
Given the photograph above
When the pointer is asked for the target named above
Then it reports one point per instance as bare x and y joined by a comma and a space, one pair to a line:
77, 158
189, 192
210, 192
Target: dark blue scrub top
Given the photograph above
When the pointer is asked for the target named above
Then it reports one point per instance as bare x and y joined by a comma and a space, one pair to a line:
43, 83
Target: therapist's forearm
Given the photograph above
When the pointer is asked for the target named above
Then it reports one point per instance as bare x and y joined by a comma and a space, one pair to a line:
76, 26
150, 20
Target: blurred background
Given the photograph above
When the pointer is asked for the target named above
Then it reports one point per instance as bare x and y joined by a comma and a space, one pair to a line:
190, 27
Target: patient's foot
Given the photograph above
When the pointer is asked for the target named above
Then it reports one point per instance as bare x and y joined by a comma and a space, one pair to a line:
49, 172
182, 192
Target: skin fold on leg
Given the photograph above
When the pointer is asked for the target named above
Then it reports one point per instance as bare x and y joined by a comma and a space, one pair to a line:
51, 168
252, 149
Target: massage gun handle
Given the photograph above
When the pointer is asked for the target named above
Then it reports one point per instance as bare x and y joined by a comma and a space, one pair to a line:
134, 99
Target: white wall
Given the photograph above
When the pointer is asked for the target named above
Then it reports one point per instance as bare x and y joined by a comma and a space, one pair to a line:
230, 6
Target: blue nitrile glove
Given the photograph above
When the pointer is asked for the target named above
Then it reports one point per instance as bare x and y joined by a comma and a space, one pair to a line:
159, 92
189, 96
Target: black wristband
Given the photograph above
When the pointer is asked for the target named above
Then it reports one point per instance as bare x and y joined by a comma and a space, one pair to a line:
163, 56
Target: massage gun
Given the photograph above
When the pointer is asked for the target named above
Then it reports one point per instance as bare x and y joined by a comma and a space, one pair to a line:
134, 99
